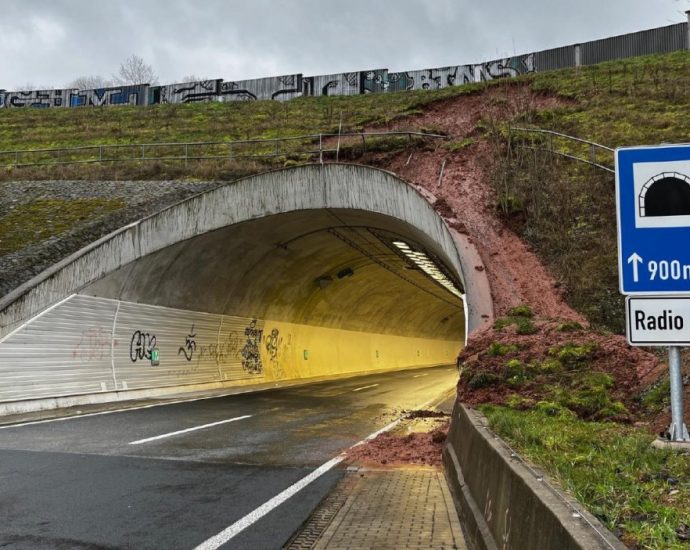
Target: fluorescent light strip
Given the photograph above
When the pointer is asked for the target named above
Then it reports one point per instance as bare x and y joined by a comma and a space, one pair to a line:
428, 266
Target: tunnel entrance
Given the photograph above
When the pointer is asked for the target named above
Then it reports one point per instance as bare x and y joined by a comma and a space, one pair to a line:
315, 271
666, 194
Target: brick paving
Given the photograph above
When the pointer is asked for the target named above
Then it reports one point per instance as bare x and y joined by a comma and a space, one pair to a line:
385, 509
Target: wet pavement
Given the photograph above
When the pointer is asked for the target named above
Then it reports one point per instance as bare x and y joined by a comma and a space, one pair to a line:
175, 475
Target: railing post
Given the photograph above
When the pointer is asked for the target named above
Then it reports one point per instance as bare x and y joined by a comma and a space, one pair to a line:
320, 148
186, 154
16, 158
100, 153
143, 156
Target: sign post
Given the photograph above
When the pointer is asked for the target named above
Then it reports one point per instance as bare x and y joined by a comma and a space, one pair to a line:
653, 210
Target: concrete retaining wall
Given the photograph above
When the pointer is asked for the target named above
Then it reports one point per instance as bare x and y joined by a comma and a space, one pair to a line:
503, 503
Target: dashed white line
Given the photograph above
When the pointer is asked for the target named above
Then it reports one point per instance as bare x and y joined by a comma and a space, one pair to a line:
187, 430
255, 515
365, 387
419, 375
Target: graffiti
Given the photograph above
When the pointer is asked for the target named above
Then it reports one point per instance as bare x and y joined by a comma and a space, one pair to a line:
372, 82
272, 344
94, 344
279, 88
504, 68
188, 92
140, 346
222, 351
124, 95
37, 98
190, 345
400, 82
251, 356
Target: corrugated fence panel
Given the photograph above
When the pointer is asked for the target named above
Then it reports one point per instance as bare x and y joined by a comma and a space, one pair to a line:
238, 353
332, 84
659, 40
66, 351
180, 337
36, 98
280, 88
118, 95
556, 58
188, 92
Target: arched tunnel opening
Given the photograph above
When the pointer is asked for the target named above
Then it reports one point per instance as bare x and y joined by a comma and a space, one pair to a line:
247, 284
666, 195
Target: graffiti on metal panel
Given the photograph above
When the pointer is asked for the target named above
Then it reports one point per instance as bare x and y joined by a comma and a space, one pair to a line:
189, 346
251, 354
189, 92
94, 344
140, 346
35, 98
124, 95
222, 351
277, 347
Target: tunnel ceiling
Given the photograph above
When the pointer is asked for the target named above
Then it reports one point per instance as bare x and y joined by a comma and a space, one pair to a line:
330, 267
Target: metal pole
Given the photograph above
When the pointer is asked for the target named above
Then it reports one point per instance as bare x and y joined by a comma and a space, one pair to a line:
678, 431
320, 149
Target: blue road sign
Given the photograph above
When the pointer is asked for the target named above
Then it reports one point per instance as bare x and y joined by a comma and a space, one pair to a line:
653, 207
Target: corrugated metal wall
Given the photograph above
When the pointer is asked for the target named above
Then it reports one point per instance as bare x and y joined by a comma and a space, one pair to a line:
187, 92
556, 58
280, 88
35, 98
659, 40
89, 345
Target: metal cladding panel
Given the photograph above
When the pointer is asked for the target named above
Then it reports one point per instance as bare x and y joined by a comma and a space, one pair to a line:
35, 98
373, 81
431, 79
557, 58
660, 40
193, 347
119, 95
188, 92
65, 351
504, 68
238, 353
333, 84
280, 88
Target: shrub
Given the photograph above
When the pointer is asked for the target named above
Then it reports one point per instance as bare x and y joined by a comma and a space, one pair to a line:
483, 379
496, 349
521, 311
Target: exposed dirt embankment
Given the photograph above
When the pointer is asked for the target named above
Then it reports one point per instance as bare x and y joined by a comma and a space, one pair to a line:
465, 195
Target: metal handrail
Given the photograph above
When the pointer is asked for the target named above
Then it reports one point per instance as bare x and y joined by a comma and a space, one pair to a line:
592, 161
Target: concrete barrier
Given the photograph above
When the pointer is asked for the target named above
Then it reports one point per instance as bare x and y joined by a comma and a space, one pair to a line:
504, 503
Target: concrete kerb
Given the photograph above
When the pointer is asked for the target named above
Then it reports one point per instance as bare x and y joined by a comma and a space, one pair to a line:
502, 502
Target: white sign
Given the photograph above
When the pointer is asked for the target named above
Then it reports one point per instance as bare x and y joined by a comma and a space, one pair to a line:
654, 321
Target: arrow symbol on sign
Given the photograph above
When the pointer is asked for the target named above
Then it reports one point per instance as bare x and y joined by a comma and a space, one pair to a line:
635, 260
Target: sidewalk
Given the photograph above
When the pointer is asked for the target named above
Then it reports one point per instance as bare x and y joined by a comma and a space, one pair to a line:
409, 508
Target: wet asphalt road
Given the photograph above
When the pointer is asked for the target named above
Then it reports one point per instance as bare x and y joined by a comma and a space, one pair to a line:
85, 483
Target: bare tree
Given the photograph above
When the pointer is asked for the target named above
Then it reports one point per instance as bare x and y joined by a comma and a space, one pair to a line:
90, 83
134, 70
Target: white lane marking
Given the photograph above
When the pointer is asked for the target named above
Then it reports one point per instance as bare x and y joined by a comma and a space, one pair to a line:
419, 375
187, 430
255, 515
365, 387
126, 409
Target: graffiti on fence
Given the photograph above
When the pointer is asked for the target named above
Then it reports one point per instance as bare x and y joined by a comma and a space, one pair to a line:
35, 98
188, 92
280, 88
122, 95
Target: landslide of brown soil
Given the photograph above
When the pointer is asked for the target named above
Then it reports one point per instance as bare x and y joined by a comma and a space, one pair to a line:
467, 201
390, 449
629, 367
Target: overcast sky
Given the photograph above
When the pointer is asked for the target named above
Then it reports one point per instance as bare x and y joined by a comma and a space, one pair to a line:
51, 42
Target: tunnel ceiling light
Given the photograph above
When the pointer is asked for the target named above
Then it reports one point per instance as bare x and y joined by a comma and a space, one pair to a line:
427, 265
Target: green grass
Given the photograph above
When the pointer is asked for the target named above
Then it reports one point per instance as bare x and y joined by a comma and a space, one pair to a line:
610, 468
33, 222
565, 209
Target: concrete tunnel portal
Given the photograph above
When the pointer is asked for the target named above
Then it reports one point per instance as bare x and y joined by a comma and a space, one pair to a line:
309, 272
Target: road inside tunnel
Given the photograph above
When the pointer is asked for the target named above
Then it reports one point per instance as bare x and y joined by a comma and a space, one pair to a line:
173, 476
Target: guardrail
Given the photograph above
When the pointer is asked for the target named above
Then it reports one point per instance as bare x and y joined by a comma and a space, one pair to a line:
306, 145
567, 153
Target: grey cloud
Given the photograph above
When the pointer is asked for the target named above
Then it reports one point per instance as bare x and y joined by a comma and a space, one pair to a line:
54, 41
